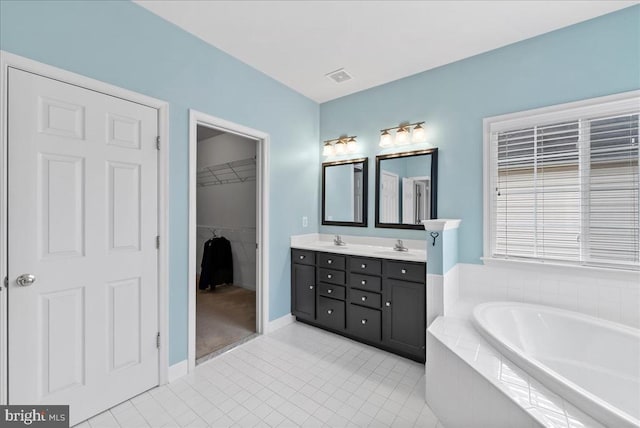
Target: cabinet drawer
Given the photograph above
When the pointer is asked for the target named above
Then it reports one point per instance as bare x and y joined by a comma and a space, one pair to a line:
335, 291
365, 323
407, 271
331, 276
331, 313
332, 261
365, 298
368, 266
365, 282
304, 257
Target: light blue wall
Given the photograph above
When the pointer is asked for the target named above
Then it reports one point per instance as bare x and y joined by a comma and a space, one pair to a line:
339, 194
443, 253
125, 45
419, 166
590, 59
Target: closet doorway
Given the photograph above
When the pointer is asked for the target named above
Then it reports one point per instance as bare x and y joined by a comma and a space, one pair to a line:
227, 287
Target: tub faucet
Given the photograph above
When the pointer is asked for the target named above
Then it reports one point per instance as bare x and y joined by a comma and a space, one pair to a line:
338, 241
400, 246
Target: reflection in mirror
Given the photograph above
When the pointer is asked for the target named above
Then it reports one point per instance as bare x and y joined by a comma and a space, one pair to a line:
344, 193
406, 190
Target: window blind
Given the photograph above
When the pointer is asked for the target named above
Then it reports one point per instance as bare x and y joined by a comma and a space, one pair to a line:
567, 191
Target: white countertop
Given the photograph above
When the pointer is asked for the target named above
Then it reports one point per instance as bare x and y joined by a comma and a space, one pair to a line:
365, 246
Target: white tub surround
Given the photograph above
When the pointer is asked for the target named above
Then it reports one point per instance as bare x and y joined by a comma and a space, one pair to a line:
366, 246
613, 295
470, 384
442, 269
593, 363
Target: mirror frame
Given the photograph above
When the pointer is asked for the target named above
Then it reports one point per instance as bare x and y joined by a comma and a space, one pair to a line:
365, 191
434, 184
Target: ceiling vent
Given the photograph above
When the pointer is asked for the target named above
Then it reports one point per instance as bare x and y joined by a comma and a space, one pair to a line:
339, 76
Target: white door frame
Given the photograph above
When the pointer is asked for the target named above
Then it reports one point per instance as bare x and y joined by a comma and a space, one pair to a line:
262, 219
15, 61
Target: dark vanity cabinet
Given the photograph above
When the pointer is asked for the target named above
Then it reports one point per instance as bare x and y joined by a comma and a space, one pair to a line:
303, 284
376, 301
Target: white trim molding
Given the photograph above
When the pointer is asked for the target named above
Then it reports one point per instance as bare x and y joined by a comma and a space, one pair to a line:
278, 323
8, 60
262, 220
176, 371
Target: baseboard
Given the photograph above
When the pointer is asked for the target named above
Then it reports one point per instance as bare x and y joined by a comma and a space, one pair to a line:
178, 370
279, 323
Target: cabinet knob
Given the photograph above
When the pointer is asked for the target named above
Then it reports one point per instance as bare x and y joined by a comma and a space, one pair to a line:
364, 298
363, 266
387, 303
329, 291
330, 311
363, 321
363, 282
329, 261
311, 287
329, 276
301, 257
403, 271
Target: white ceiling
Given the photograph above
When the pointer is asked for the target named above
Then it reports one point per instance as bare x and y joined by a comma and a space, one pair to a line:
298, 42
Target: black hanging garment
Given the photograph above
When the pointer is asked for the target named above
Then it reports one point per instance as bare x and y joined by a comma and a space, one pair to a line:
217, 264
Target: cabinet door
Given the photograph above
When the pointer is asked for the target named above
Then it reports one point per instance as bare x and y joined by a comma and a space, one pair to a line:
303, 297
404, 324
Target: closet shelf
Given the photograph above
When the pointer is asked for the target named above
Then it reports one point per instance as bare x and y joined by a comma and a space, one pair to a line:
237, 171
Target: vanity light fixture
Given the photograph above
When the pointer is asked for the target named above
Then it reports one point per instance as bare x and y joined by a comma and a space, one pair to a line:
340, 146
328, 149
402, 136
386, 140
352, 145
419, 134
417, 130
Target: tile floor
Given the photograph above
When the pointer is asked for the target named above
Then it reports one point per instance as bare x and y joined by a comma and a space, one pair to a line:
298, 376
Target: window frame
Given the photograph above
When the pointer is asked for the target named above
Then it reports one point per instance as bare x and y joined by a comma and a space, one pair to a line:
610, 104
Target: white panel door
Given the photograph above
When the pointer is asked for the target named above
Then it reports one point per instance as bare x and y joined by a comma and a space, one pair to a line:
408, 201
389, 197
83, 221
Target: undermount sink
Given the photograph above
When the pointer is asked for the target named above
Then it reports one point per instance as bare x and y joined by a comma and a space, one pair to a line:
395, 253
330, 245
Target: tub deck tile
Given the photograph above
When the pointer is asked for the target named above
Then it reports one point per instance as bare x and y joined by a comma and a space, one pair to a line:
548, 409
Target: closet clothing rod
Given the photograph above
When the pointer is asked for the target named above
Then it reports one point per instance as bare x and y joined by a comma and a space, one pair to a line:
235, 229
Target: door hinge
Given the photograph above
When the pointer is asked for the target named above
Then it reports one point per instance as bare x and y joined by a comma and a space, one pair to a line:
158, 142
158, 340
158, 241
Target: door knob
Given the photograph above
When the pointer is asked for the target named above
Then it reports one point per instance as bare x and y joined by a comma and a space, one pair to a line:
26, 279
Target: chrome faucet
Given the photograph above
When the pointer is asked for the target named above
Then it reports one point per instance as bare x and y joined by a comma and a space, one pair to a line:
400, 246
338, 241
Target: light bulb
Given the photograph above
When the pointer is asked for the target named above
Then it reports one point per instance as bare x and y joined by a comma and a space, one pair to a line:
328, 150
340, 147
419, 134
385, 139
402, 136
352, 145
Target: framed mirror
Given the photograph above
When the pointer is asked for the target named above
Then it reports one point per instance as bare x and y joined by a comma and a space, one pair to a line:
344, 193
406, 189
